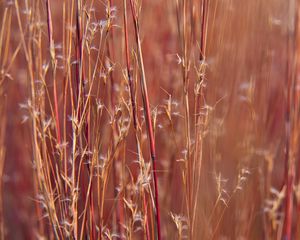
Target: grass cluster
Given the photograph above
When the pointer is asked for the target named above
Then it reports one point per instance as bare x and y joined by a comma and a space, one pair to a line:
131, 119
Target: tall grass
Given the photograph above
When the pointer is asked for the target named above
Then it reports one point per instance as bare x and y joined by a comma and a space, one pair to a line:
149, 119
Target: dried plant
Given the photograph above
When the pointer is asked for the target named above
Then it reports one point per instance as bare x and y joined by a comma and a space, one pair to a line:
149, 119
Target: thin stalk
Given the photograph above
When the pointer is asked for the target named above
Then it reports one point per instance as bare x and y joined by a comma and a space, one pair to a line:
133, 107
291, 132
147, 113
199, 118
54, 64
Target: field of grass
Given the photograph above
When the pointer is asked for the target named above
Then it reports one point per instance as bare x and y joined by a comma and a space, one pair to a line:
149, 119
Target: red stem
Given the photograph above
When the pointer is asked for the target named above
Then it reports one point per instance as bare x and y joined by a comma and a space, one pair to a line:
133, 105
148, 118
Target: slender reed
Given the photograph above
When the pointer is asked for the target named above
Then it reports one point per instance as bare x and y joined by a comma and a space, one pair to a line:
147, 113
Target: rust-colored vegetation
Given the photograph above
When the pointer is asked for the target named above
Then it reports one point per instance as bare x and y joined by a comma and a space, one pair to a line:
161, 119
